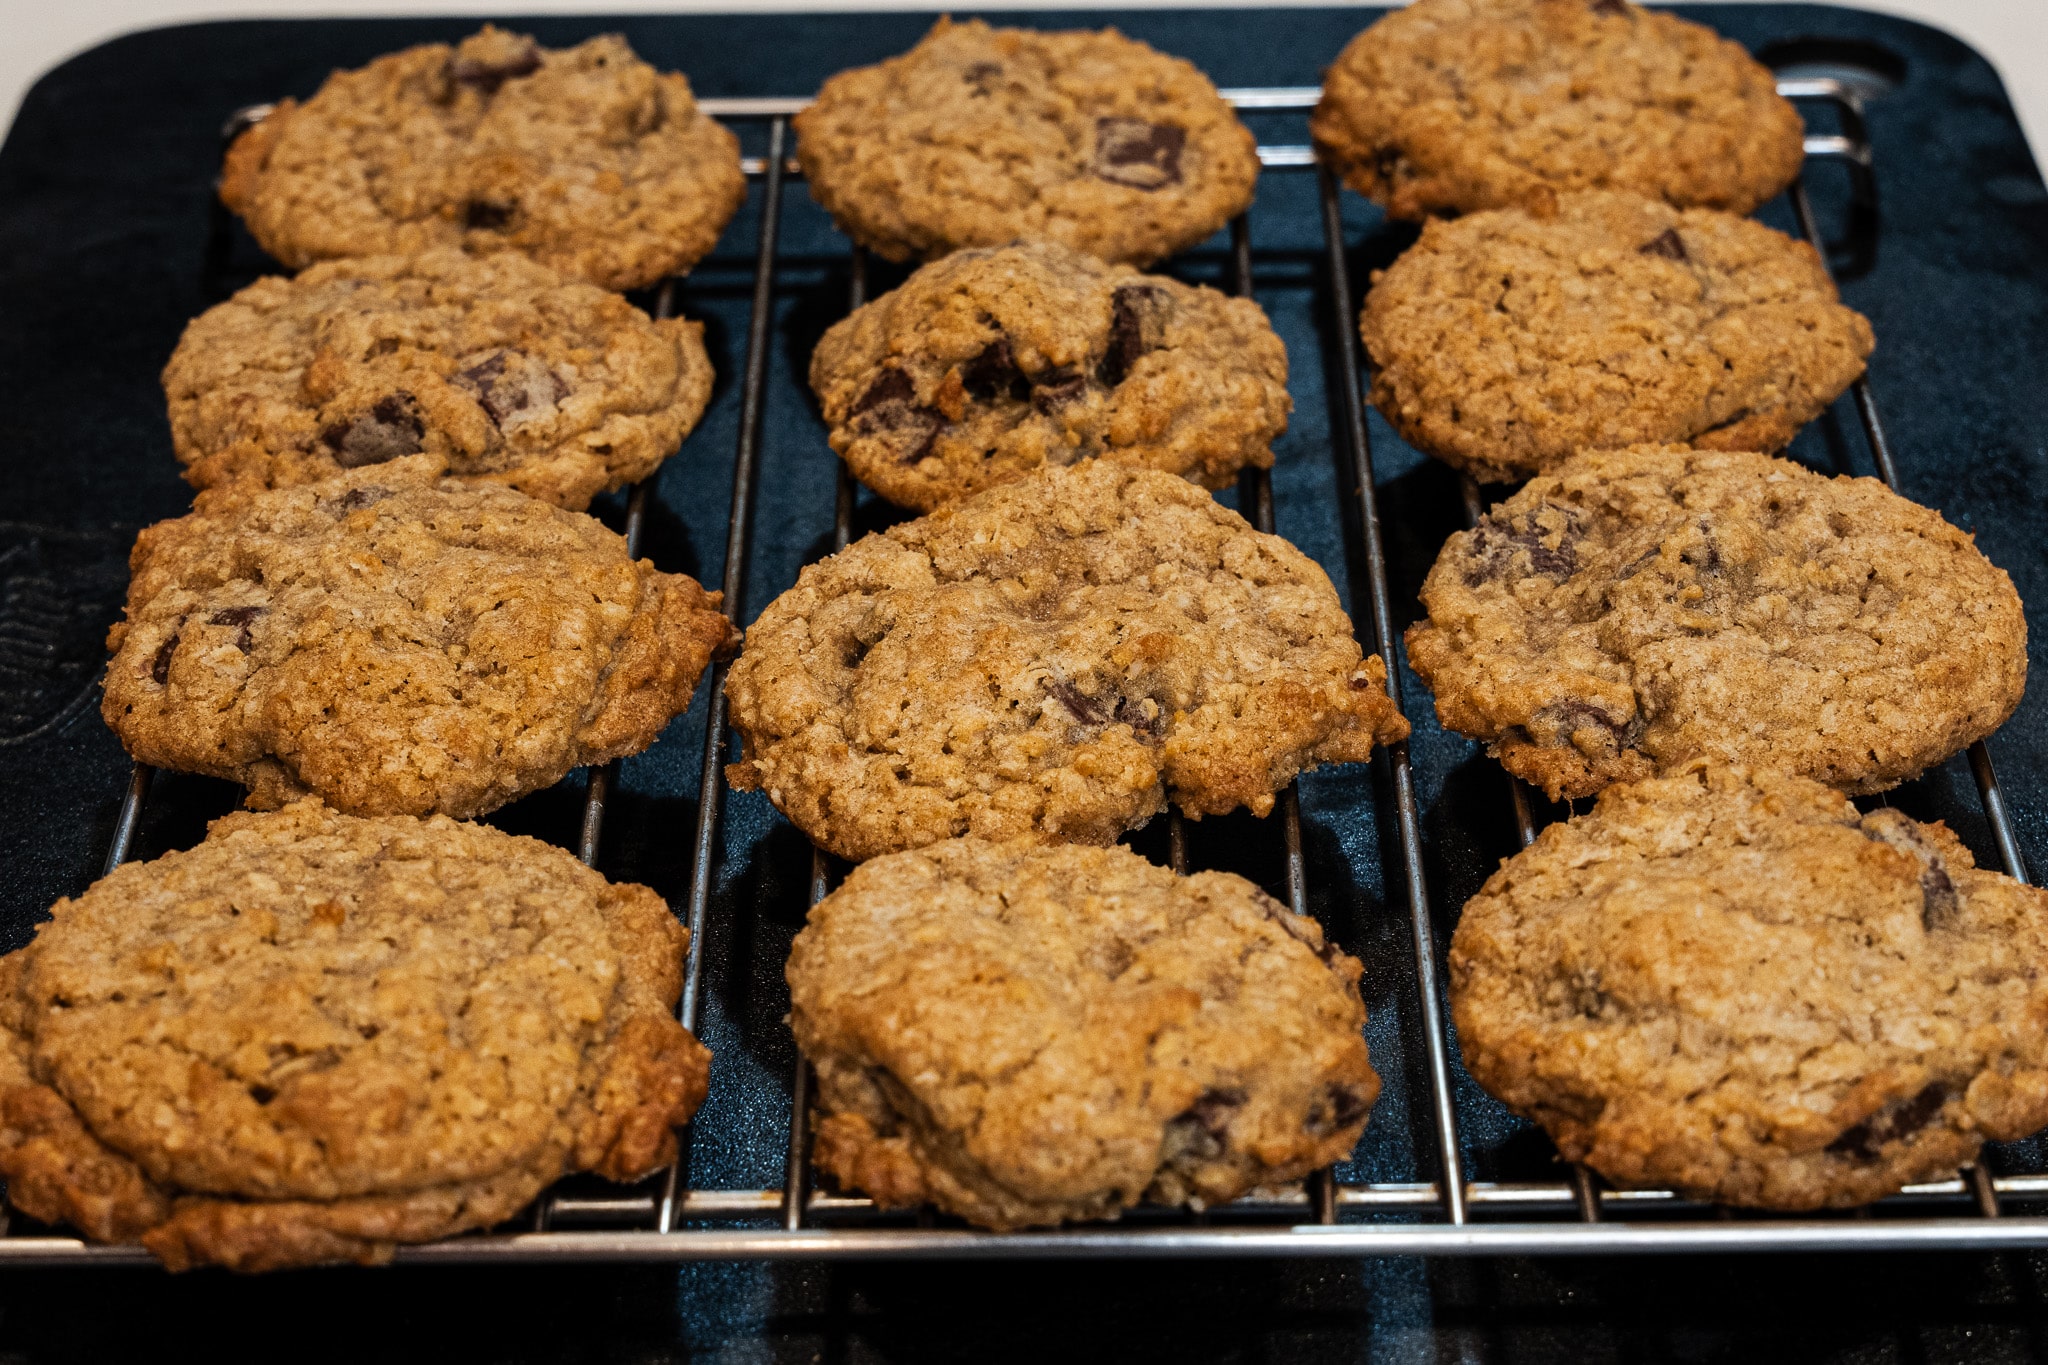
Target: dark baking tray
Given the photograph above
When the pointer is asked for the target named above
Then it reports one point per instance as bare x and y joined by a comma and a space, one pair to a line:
109, 243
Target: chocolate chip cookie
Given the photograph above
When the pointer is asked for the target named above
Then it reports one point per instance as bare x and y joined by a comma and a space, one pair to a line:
994, 361
1636, 609
1505, 342
315, 1037
500, 368
980, 136
1056, 658
1731, 983
1025, 1035
586, 159
1453, 105
393, 642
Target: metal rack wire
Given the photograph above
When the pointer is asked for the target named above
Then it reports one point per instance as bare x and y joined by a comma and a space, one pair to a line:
1449, 1214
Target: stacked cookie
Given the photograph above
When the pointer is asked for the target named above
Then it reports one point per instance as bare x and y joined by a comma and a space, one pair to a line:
349, 1021
1724, 978
1009, 1018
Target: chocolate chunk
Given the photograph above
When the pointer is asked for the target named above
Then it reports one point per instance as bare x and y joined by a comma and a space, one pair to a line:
994, 374
391, 428
1706, 556
1339, 1107
262, 1094
982, 76
238, 616
1129, 307
160, 666
1079, 704
1497, 547
886, 412
1055, 389
1572, 716
1131, 711
1666, 243
1387, 163
890, 386
508, 383
1144, 156
1940, 902
1609, 7
1641, 562
486, 76
353, 499
487, 213
1862, 1141
1201, 1130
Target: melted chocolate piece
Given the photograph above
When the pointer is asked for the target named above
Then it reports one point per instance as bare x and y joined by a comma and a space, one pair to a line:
1609, 7
1129, 307
982, 76
160, 666
1055, 389
262, 1094
1339, 1107
1666, 244
1739, 415
994, 374
504, 388
1940, 902
1861, 1141
391, 428
1572, 716
1203, 1127
886, 411
353, 499
486, 77
1283, 917
1079, 704
1130, 711
1144, 156
487, 213
1387, 162
238, 616
1497, 546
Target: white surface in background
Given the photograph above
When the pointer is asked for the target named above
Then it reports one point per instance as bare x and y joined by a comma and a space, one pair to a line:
38, 34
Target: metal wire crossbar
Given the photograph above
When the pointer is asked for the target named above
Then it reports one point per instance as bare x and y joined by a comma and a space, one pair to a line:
1448, 1214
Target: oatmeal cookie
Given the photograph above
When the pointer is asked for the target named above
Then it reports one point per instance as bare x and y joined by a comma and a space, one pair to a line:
1731, 983
994, 361
1636, 609
398, 644
315, 1037
1055, 657
979, 136
499, 367
1505, 342
586, 159
1025, 1035
1453, 105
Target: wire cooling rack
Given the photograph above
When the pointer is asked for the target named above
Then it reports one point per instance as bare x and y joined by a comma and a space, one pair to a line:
1441, 1211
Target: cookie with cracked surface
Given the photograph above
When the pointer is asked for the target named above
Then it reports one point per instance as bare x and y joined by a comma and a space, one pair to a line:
980, 136
1449, 106
993, 362
1637, 609
398, 643
1026, 1035
315, 1037
586, 159
1505, 342
502, 369
1056, 657
1731, 983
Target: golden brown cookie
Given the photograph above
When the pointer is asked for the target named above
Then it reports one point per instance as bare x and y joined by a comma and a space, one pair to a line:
992, 362
1448, 106
586, 159
1506, 342
316, 1037
1056, 657
500, 368
980, 136
1025, 1035
1731, 983
394, 642
1637, 609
